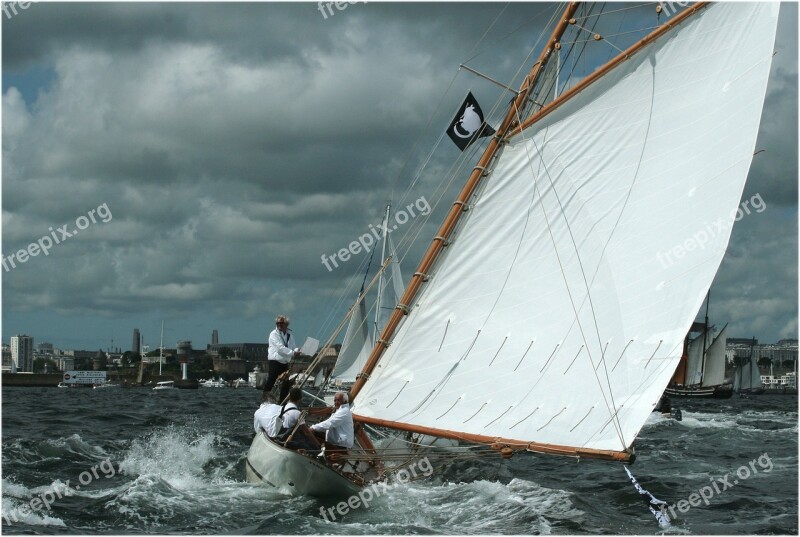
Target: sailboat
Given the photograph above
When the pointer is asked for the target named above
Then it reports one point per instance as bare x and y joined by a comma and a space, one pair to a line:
357, 342
747, 377
541, 319
701, 370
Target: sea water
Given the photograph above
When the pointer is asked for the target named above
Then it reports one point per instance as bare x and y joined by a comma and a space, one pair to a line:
173, 462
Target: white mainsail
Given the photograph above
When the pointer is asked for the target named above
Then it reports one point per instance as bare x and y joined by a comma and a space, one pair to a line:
558, 313
714, 373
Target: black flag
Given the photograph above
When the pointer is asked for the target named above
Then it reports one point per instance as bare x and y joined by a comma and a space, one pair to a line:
468, 125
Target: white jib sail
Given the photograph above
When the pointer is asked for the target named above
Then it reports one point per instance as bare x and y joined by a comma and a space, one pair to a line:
559, 311
355, 347
357, 343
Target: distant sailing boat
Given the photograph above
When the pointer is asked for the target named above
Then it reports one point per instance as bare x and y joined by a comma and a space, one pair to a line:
541, 318
747, 377
701, 370
357, 342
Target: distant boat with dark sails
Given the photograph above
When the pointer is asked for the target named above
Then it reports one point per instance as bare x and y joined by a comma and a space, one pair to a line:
701, 370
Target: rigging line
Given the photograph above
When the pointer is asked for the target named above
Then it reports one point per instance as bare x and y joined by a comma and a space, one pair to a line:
526, 417
583, 418
619, 217
498, 350
444, 335
551, 419
654, 353
476, 145
438, 106
546, 87
602, 39
398, 394
603, 355
635, 393
561, 266
348, 291
362, 296
550, 357
619, 10
619, 27
459, 163
474, 148
329, 342
455, 169
553, 16
498, 417
520, 241
443, 382
476, 413
524, 355
621, 355
647, 29
618, 425
488, 29
581, 54
451, 407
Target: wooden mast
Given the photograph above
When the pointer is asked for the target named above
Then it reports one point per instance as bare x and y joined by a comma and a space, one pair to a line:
479, 172
508, 128
623, 56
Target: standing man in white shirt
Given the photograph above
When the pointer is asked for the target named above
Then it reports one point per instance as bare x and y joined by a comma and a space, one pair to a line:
282, 348
338, 429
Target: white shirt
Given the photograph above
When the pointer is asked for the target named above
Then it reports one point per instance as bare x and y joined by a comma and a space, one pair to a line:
265, 417
281, 346
339, 427
290, 415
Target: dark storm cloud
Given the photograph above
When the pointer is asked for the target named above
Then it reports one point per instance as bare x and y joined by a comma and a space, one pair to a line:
236, 143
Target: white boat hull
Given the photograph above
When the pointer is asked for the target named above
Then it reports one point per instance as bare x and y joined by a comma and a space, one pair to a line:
291, 473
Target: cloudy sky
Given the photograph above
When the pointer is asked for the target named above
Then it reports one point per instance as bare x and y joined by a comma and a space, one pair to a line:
225, 147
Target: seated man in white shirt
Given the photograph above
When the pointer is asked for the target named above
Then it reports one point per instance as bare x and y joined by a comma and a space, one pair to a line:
264, 418
302, 438
338, 429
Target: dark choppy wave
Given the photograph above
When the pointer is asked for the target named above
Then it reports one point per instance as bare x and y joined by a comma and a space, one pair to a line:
176, 465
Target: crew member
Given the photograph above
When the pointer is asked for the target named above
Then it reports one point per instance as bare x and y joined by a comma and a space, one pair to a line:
337, 431
282, 348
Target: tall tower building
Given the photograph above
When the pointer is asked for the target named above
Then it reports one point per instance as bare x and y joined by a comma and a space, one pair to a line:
22, 352
215, 337
137, 341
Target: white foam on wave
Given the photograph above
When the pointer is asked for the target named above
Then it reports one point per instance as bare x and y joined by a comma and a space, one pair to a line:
16, 507
173, 454
77, 445
482, 507
710, 421
174, 470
